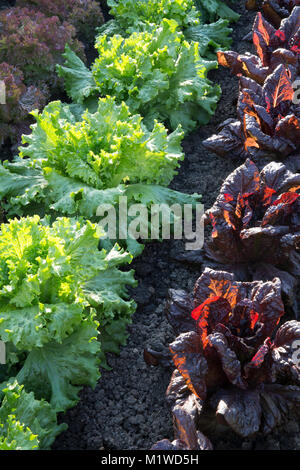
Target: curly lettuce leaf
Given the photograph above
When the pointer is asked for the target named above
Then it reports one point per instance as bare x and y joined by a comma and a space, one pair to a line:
211, 37
105, 148
15, 436
26, 423
57, 372
131, 13
79, 80
52, 279
43, 271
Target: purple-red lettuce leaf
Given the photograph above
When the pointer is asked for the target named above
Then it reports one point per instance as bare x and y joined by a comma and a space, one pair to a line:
229, 362
256, 218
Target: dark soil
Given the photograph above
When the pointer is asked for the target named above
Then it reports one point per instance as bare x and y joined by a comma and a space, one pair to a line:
127, 409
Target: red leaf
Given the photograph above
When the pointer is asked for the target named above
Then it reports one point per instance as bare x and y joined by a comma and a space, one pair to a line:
259, 357
262, 33
278, 88
211, 312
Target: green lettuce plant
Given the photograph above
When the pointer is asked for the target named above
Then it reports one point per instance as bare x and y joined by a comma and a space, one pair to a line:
133, 16
156, 72
57, 293
74, 162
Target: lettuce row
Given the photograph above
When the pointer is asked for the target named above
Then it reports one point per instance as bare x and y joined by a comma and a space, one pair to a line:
58, 292
75, 162
62, 300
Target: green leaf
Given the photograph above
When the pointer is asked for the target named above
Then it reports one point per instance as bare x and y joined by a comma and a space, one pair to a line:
132, 14
213, 9
58, 371
15, 436
30, 422
79, 81
211, 37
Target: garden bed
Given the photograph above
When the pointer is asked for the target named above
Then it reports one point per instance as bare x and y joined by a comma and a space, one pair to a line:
127, 409
79, 286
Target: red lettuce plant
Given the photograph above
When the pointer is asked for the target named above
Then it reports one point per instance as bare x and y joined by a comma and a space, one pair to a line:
273, 10
256, 218
34, 43
19, 101
268, 121
84, 15
226, 359
273, 47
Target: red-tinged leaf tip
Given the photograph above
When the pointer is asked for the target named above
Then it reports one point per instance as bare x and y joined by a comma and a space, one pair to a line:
211, 312
261, 35
250, 142
268, 103
286, 198
280, 34
259, 357
296, 48
228, 220
284, 90
213, 223
198, 311
254, 318
222, 59
268, 194
262, 28
228, 197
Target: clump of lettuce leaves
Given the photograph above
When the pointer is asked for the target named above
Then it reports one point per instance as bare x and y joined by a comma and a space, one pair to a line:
229, 359
273, 47
273, 10
268, 113
268, 121
58, 292
156, 72
255, 218
132, 16
75, 162
26, 423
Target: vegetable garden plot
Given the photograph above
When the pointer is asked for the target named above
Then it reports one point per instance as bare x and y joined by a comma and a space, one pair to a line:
124, 137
